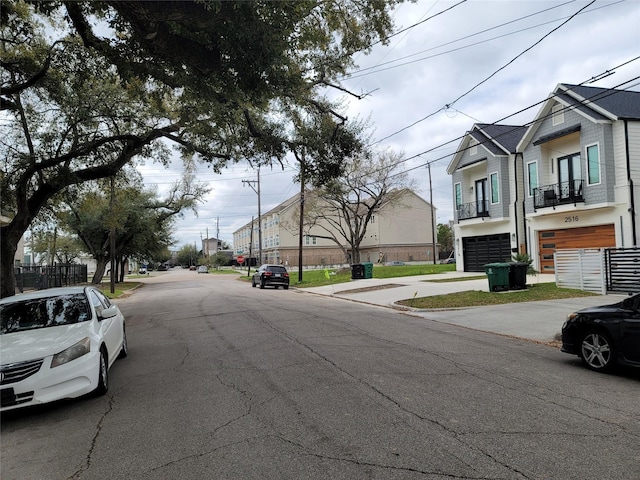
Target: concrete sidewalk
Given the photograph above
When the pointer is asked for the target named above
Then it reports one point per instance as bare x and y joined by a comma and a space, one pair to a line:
539, 321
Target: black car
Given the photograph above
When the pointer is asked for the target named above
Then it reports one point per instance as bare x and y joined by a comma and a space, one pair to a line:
605, 336
271, 275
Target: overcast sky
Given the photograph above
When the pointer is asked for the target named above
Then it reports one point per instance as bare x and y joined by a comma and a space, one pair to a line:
456, 64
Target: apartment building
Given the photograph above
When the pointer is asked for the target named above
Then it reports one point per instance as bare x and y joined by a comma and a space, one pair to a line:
401, 230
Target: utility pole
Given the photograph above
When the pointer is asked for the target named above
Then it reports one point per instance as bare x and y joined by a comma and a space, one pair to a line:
218, 234
250, 183
433, 223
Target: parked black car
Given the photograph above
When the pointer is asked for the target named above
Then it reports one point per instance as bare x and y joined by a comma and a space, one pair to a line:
271, 275
605, 336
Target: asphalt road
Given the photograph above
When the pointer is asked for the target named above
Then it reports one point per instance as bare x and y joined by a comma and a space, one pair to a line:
225, 381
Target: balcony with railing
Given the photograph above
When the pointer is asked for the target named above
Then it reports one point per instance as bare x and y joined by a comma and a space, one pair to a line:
558, 194
467, 211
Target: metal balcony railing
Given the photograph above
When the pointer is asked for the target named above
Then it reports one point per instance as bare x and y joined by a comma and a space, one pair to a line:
558, 194
473, 210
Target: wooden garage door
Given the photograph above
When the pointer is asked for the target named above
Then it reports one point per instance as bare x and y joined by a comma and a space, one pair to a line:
478, 251
584, 237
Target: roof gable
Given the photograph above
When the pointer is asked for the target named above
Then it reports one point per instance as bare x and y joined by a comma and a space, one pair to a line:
499, 140
594, 103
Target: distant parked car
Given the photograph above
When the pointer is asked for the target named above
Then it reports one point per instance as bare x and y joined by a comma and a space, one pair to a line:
192, 267
271, 276
394, 263
605, 336
203, 269
142, 271
162, 268
57, 343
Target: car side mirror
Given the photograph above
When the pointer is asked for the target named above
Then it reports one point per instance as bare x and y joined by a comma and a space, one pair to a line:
109, 312
628, 304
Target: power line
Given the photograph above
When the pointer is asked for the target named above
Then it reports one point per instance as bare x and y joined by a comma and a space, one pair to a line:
450, 104
356, 72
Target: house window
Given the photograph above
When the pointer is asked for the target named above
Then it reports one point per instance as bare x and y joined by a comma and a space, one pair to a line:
473, 147
557, 114
593, 164
495, 193
532, 170
458, 191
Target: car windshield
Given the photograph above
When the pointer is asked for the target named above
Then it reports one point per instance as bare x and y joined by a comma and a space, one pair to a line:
43, 312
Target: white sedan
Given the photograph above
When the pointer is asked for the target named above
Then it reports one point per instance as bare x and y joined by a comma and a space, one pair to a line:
57, 343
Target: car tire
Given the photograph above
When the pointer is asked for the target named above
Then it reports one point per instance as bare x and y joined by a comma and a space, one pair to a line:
103, 374
253, 283
124, 350
261, 284
597, 351
286, 287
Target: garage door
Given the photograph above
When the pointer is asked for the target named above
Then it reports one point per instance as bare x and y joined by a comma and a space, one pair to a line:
549, 241
478, 251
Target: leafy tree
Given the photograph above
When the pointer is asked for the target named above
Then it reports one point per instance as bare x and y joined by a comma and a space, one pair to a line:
89, 87
142, 222
187, 255
53, 247
342, 209
445, 237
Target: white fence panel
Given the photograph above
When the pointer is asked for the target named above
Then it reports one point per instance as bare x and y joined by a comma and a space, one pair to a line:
582, 269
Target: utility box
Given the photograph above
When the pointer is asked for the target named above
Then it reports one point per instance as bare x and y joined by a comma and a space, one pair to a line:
368, 269
498, 275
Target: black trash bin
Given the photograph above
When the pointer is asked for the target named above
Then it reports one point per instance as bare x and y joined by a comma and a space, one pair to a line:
518, 275
357, 271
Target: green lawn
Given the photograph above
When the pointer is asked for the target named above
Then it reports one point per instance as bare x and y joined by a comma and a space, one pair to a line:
475, 298
318, 278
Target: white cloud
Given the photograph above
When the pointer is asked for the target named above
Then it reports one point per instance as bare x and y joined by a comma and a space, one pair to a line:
604, 36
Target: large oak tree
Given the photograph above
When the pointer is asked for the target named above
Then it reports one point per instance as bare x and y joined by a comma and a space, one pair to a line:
88, 87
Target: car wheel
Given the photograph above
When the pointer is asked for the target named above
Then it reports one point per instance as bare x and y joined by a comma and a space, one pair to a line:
596, 351
124, 351
253, 283
286, 287
103, 374
261, 283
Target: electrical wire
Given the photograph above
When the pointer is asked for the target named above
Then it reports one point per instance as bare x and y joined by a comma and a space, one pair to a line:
450, 104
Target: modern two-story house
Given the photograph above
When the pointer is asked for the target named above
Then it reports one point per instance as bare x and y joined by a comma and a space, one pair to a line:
487, 187
574, 180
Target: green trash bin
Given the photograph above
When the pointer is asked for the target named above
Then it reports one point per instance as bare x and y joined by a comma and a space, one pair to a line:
368, 269
498, 275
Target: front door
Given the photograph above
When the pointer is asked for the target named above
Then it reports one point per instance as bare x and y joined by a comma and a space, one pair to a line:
482, 205
569, 176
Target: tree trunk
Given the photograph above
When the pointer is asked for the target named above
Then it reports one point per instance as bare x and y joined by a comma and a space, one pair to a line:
101, 265
122, 263
7, 255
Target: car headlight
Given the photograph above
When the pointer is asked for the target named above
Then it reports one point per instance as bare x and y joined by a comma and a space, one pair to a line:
75, 351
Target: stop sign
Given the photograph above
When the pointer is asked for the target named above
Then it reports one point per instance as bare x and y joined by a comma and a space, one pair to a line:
240, 259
